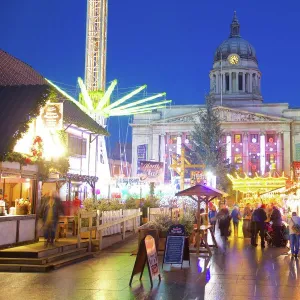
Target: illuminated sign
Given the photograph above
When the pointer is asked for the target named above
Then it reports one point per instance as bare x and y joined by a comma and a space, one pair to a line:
52, 116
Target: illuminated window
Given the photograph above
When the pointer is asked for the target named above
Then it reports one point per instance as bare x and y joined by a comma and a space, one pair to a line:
238, 159
76, 145
254, 138
237, 138
270, 138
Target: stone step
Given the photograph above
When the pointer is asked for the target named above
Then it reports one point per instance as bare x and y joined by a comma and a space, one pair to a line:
43, 260
46, 267
20, 252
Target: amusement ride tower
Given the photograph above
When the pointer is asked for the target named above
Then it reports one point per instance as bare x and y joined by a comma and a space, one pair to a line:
95, 66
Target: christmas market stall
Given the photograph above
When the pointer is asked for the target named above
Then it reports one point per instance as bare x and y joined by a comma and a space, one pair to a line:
201, 193
255, 190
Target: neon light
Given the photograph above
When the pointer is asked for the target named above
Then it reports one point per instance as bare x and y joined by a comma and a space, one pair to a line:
143, 100
106, 96
68, 96
142, 106
85, 94
123, 99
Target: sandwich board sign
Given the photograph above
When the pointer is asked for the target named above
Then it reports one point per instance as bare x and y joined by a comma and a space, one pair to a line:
146, 254
177, 246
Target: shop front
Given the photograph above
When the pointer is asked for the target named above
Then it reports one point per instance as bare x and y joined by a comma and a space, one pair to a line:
18, 202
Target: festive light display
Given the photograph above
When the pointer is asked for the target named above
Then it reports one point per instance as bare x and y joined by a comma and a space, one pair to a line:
96, 103
257, 184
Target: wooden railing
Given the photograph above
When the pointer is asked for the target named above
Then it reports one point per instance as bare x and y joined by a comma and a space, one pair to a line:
101, 226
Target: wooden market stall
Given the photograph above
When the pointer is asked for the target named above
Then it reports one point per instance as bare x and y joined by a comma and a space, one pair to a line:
201, 193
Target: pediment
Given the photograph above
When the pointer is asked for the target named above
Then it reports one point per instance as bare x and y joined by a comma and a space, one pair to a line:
226, 114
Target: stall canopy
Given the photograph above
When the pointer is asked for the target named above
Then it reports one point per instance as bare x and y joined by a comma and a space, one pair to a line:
205, 194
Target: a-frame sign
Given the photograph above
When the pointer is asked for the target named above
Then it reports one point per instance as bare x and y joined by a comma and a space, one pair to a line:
146, 254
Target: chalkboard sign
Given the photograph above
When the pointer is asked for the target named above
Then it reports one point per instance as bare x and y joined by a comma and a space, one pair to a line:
174, 249
146, 254
177, 246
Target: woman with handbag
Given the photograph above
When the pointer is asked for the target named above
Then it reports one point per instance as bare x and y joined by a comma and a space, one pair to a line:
294, 228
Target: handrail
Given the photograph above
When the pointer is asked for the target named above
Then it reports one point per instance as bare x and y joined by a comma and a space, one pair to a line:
100, 227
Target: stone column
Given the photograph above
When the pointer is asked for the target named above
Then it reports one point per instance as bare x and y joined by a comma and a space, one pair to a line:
224, 82
237, 81
279, 152
250, 83
244, 82
262, 153
228, 147
217, 83
245, 152
286, 152
230, 82
155, 147
162, 148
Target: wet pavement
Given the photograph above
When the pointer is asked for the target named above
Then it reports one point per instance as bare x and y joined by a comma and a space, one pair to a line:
241, 273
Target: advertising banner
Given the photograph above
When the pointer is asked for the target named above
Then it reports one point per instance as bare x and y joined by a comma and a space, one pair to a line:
141, 154
151, 171
52, 116
152, 256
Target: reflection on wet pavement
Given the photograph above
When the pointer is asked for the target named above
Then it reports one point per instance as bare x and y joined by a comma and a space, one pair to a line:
243, 272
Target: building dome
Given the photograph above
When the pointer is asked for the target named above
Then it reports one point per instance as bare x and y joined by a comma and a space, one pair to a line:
235, 44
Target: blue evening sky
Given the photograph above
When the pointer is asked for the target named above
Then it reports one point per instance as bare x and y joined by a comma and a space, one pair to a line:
164, 43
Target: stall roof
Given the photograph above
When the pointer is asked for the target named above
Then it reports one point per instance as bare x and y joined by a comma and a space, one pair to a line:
20, 88
201, 190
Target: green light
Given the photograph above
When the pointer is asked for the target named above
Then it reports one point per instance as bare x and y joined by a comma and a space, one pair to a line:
87, 100
120, 109
142, 101
123, 99
105, 99
68, 96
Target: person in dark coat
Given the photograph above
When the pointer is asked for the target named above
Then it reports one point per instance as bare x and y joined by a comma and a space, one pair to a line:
259, 218
223, 219
276, 225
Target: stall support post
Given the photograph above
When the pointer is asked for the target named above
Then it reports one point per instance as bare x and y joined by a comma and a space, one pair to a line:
198, 227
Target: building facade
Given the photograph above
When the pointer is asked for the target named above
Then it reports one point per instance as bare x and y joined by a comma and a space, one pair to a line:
259, 137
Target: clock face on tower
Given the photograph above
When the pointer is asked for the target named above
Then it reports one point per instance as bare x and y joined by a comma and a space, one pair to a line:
234, 59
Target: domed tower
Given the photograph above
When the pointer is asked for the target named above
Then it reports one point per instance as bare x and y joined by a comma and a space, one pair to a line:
235, 77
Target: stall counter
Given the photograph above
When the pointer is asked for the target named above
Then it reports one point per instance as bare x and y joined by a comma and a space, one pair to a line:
16, 230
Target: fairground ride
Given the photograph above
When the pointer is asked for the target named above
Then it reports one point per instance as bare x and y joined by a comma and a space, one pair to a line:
94, 99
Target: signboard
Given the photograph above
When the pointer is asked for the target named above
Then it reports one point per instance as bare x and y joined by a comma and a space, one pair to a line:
127, 181
151, 171
296, 167
147, 253
197, 177
141, 154
52, 116
177, 246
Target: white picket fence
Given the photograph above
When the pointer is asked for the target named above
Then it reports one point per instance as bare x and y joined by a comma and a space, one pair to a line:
108, 223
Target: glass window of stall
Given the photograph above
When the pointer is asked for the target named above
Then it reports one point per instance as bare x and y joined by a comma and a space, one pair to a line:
18, 194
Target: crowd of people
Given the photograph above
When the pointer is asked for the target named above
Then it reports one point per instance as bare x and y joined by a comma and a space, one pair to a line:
265, 221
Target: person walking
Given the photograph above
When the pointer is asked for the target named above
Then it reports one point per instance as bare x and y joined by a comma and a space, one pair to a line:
51, 212
236, 216
261, 218
247, 221
223, 221
212, 216
276, 224
294, 223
